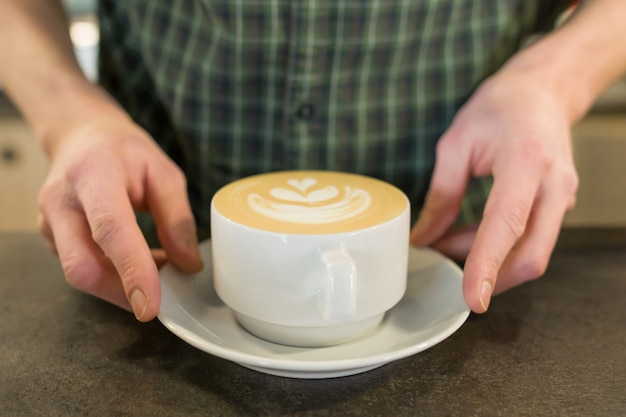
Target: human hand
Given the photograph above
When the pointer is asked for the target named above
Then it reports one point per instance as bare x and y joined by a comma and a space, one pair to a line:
100, 173
516, 128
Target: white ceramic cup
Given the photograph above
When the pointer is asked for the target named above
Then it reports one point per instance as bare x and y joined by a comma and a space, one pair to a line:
310, 258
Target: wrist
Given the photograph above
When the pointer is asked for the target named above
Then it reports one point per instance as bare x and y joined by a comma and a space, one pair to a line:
578, 61
550, 75
76, 104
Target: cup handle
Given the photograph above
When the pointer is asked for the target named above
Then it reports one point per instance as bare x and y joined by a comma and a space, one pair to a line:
338, 291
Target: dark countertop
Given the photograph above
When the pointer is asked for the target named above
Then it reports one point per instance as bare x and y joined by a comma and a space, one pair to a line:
555, 346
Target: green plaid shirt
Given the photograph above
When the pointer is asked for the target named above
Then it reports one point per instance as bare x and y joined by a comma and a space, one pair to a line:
231, 88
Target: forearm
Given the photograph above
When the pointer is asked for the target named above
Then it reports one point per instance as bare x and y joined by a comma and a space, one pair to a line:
39, 70
582, 58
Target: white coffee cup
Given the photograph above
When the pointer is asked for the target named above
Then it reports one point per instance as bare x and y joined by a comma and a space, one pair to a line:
310, 258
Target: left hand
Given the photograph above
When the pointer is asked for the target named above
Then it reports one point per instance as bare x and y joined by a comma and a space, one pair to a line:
516, 128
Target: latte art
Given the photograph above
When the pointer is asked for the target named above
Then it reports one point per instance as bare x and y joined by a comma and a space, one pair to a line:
314, 207
309, 202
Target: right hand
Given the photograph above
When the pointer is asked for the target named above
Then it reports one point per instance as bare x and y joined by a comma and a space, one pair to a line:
101, 171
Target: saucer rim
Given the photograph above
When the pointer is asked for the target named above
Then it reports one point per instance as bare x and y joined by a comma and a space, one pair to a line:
303, 368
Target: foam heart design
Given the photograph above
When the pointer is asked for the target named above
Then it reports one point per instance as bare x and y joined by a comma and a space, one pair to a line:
323, 194
314, 196
288, 195
303, 184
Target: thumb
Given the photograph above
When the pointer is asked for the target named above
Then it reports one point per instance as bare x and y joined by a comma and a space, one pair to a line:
176, 227
445, 194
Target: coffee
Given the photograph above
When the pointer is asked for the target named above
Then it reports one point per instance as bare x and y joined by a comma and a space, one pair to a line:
310, 202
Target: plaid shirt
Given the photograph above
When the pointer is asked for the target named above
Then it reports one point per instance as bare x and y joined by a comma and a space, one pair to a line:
231, 88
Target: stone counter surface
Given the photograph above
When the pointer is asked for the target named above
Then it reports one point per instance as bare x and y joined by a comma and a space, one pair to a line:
555, 346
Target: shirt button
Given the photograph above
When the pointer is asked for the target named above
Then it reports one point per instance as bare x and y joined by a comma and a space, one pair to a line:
305, 112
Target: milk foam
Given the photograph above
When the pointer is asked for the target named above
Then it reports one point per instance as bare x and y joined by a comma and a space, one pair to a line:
317, 206
309, 202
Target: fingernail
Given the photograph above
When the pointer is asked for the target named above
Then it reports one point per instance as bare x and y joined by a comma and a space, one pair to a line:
138, 303
485, 294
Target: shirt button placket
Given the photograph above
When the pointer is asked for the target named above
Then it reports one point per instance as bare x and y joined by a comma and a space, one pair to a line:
305, 112
302, 150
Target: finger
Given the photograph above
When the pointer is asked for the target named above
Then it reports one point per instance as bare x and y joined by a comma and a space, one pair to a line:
46, 231
456, 244
176, 227
160, 257
85, 266
504, 221
530, 256
114, 229
443, 200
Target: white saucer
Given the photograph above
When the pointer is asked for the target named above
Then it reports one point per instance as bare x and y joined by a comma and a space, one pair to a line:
432, 309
